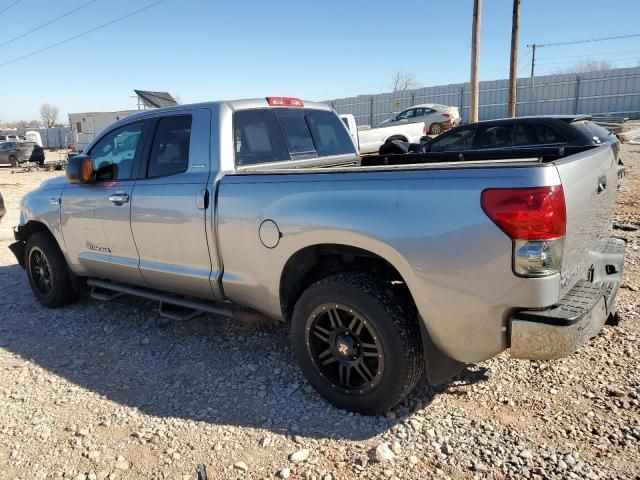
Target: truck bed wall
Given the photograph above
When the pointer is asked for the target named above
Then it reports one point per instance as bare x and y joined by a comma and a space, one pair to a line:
428, 224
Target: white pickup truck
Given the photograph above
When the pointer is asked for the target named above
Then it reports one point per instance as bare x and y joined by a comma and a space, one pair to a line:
370, 139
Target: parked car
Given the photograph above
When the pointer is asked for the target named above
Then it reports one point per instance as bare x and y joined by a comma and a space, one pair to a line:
436, 117
2, 209
569, 132
381, 272
566, 131
9, 138
369, 140
16, 153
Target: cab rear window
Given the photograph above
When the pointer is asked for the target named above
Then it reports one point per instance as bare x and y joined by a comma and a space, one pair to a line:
272, 135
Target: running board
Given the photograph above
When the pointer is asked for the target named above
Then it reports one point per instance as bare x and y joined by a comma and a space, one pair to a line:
177, 313
175, 308
105, 295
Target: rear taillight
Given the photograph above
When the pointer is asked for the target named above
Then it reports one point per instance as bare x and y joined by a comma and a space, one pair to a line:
446, 114
285, 102
536, 220
425, 129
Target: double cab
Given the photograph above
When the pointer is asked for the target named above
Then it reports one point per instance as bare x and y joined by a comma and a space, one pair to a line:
383, 272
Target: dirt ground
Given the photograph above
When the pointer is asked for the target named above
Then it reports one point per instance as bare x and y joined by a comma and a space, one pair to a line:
104, 390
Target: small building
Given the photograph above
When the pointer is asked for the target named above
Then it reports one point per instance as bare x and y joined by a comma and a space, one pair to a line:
85, 126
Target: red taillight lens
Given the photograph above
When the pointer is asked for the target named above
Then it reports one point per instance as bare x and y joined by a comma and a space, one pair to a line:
425, 130
536, 213
285, 102
447, 114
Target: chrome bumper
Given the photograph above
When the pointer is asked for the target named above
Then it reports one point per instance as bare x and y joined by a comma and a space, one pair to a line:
560, 330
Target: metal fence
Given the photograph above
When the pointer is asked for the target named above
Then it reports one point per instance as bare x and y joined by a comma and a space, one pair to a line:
608, 92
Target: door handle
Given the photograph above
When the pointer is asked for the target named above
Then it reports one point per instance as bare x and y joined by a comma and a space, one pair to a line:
119, 198
602, 184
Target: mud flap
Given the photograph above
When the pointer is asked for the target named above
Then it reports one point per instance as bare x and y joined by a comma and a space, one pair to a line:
440, 367
17, 249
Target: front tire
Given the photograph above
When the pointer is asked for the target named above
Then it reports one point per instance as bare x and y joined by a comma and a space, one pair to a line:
357, 342
14, 162
47, 271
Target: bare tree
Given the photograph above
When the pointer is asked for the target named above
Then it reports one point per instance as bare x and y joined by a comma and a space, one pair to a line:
401, 81
587, 66
49, 114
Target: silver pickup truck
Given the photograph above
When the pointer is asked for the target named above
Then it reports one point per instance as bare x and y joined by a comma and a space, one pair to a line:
383, 272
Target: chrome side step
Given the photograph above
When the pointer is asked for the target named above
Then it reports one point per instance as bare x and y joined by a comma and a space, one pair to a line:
171, 307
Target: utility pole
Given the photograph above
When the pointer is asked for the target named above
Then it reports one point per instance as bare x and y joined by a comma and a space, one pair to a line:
513, 67
533, 47
475, 58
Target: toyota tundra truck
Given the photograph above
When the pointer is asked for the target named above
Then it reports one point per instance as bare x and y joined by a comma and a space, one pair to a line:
384, 270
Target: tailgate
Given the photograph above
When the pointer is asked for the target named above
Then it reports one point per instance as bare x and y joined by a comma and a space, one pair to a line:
589, 180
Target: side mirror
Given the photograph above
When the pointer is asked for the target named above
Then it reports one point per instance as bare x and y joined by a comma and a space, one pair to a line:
80, 169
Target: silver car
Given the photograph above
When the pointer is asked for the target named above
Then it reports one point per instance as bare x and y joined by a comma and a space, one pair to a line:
436, 117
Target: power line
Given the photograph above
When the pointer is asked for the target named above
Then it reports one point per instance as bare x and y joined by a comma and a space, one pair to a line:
589, 40
66, 40
47, 23
10, 6
614, 53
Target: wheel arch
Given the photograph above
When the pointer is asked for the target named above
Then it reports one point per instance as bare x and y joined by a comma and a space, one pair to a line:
31, 227
313, 262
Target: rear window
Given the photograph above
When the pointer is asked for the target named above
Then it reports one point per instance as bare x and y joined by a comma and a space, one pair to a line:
595, 132
28, 144
272, 135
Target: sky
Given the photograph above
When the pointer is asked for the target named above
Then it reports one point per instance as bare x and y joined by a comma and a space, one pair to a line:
201, 50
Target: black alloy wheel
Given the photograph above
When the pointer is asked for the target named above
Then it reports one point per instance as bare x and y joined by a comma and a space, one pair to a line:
345, 348
40, 271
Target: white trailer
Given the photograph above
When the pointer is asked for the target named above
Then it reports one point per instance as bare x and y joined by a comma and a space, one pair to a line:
85, 126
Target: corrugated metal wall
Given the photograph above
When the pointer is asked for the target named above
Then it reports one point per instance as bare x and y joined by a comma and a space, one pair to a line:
615, 92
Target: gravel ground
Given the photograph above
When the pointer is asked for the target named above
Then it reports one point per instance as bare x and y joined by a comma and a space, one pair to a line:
98, 391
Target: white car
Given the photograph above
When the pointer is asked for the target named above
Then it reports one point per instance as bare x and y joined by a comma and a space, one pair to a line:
436, 117
369, 140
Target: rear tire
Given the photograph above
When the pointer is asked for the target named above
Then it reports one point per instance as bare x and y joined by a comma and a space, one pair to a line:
435, 129
14, 162
357, 342
47, 271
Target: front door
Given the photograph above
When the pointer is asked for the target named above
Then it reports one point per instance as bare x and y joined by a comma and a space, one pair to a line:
96, 217
170, 203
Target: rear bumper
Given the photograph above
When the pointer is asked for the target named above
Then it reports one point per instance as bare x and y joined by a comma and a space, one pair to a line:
560, 330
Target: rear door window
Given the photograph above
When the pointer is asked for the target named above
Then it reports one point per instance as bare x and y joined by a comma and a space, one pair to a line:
497, 136
170, 150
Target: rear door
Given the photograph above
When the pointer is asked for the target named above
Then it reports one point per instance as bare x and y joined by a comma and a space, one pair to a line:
170, 202
5, 148
589, 180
